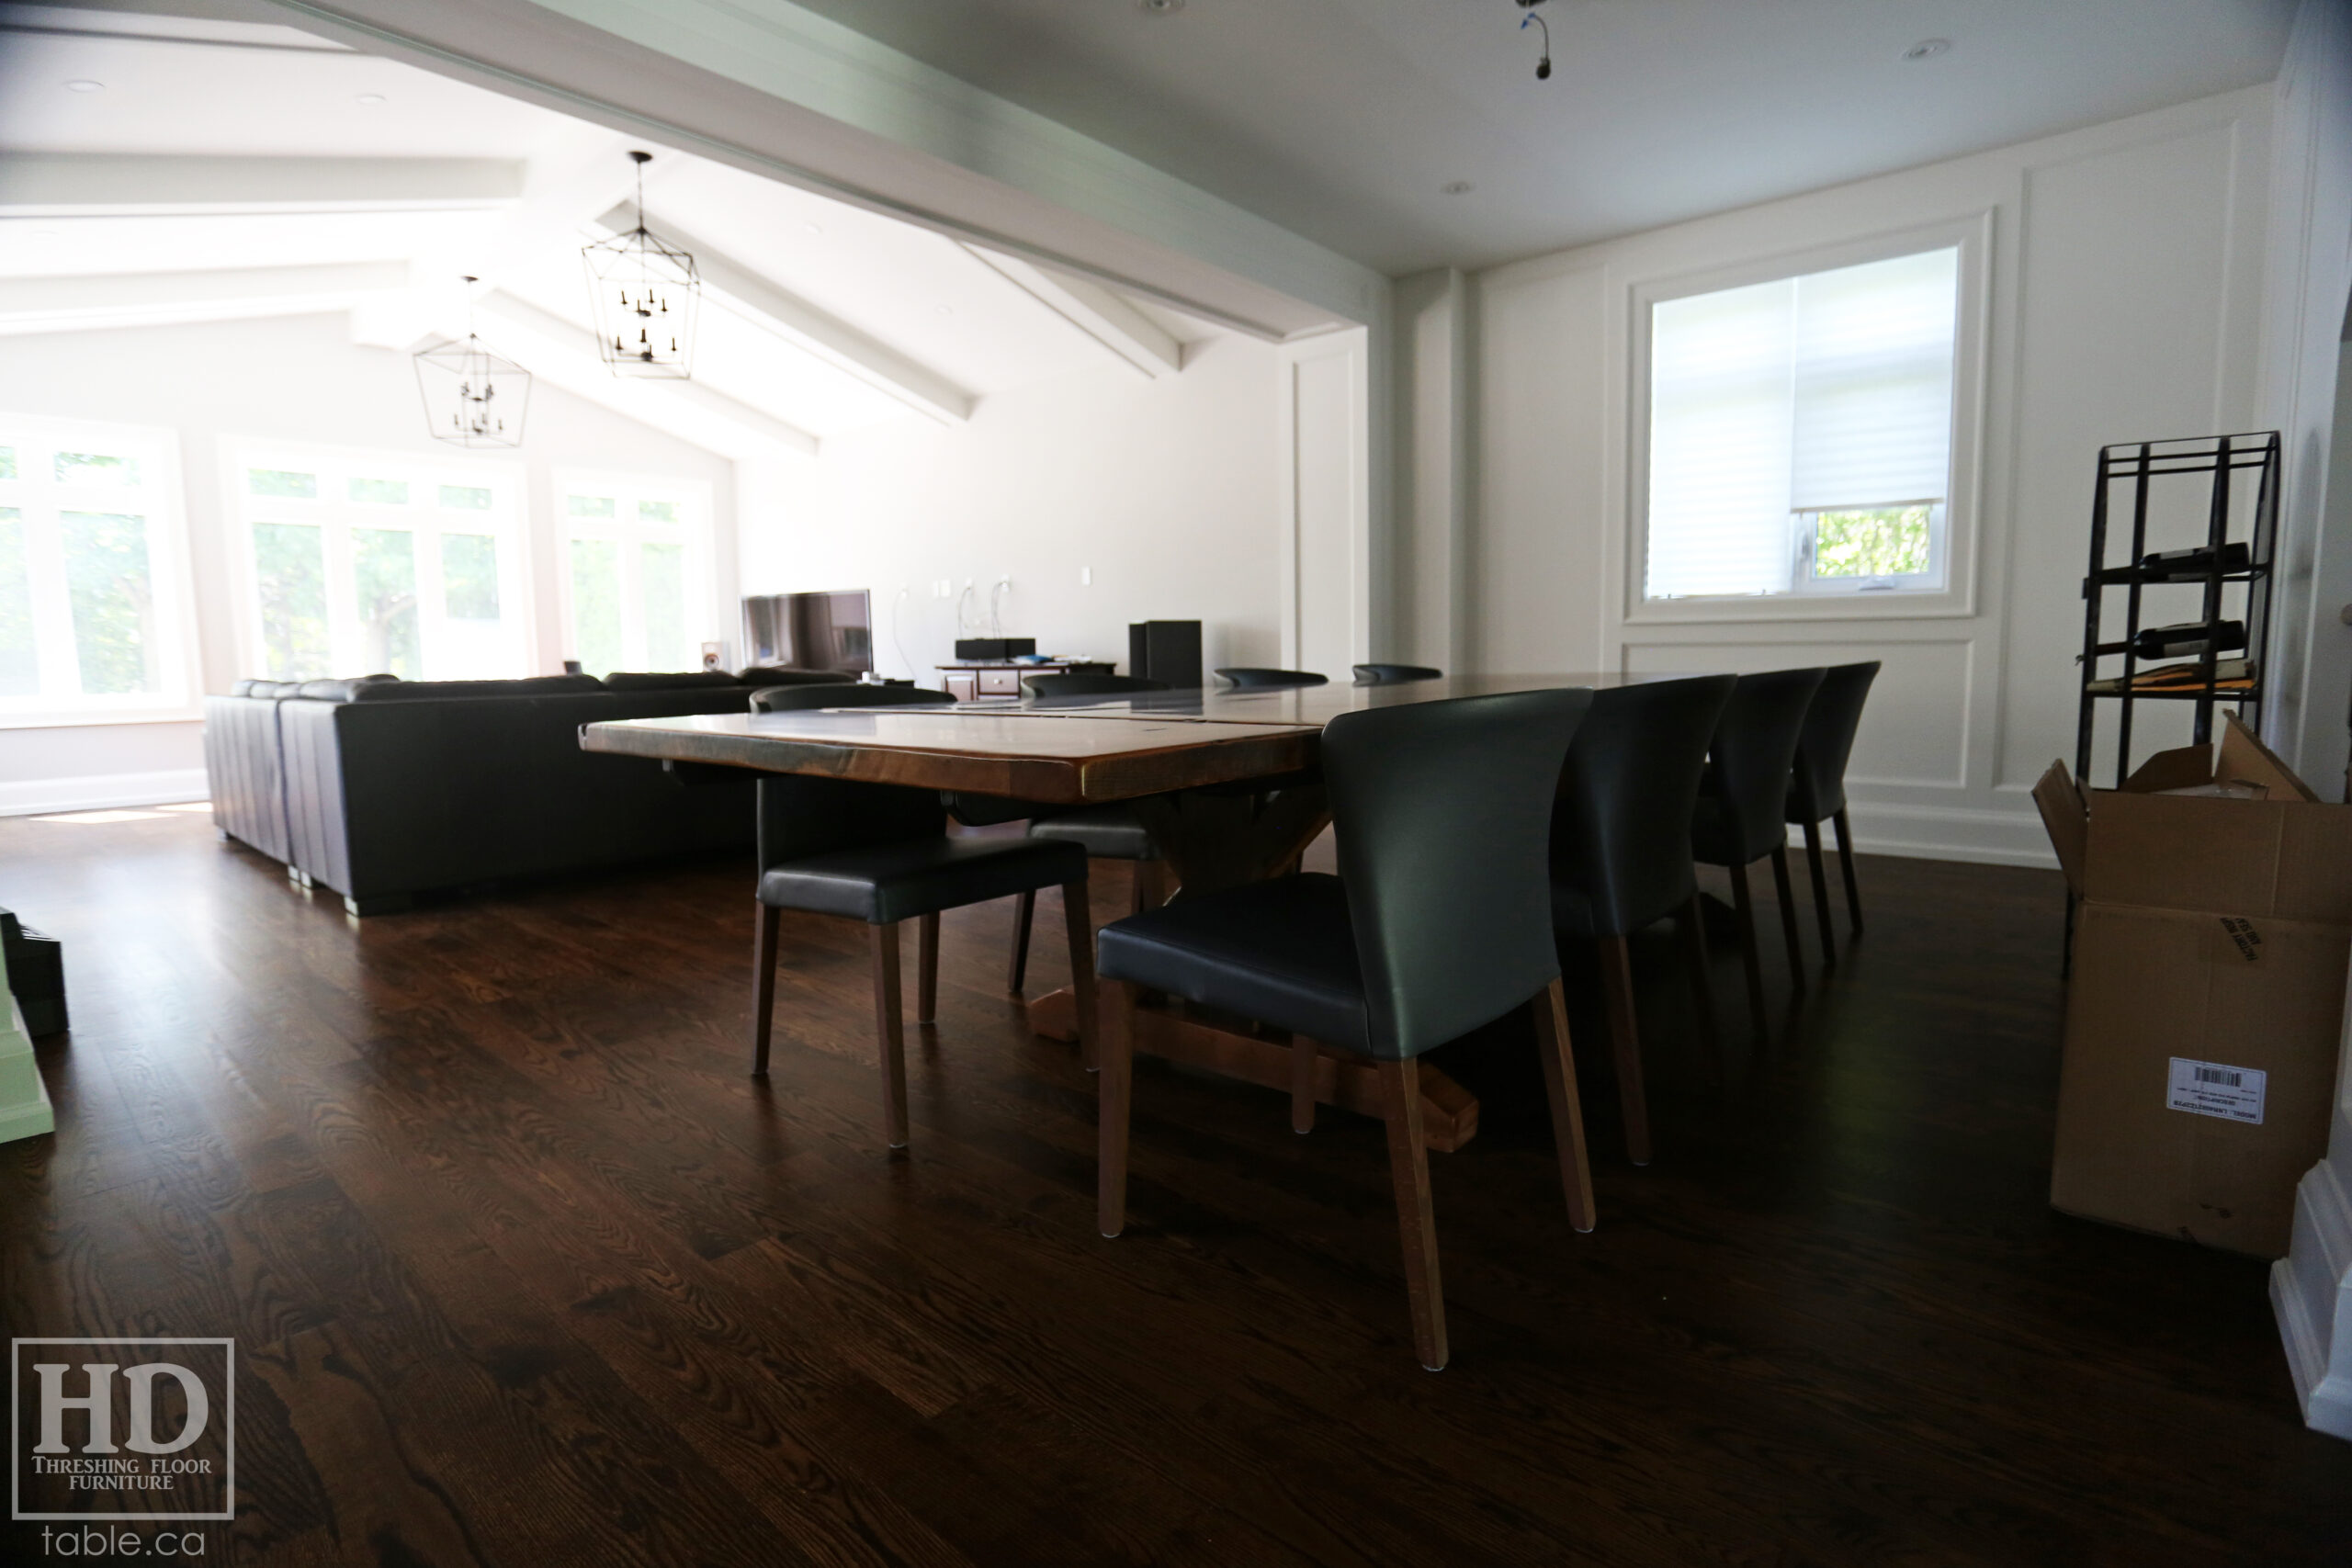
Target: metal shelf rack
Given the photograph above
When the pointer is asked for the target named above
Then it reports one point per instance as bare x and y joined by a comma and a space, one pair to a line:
2139, 470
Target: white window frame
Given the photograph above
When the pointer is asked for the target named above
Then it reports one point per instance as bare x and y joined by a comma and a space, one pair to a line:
336, 514
162, 502
1959, 523
704, 602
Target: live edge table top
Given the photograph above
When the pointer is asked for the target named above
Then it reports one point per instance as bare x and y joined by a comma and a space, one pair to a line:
1070, 750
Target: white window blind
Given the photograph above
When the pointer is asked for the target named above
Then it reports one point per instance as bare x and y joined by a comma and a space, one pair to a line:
1776, 401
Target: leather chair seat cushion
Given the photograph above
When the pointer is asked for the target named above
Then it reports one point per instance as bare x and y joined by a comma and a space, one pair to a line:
1104, 833
1282, 952
887, 883
1714, 836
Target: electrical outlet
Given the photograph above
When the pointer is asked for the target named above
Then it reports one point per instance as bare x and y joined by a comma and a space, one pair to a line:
1086, 577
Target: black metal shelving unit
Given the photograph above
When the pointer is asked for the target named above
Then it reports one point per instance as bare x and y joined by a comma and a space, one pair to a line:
2141, 469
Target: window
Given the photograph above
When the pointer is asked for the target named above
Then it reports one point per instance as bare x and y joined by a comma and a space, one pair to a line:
1801, 434
637, 573
360, 563
93, 595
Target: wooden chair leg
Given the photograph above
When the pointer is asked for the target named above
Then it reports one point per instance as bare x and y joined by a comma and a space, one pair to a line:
1820, 895
1567, 1114
1625, 1043
892, 1030
1784, 888
1693, 921
927, 969
1075, 916
1409, 1171
1113, 1087
1845, 864
1150, 885
762, 985
1304, 1054
1022, 918
1746, 904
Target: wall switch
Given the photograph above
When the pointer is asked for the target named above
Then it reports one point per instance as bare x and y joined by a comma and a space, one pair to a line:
1086, 577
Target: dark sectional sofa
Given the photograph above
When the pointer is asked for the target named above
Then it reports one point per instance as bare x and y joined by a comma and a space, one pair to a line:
382, 789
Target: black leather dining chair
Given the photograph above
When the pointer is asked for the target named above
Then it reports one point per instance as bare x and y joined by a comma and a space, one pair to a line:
1743, 802
1252, 678
1394, 675
1111, 831
1437, 923
1817, 786
881, 853
1621, 853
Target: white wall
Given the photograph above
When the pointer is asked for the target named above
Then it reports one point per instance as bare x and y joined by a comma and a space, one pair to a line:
2308, 376
296, 379
2124, 303
1167, 490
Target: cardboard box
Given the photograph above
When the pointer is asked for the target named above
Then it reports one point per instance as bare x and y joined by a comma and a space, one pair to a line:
2211, 945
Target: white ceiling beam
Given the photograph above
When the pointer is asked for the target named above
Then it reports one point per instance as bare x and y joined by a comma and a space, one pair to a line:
563, 352
1134, 337
83, 184
104, 300
811, 327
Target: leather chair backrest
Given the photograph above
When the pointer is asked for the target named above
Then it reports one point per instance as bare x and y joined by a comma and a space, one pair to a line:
1817, 786
1251, 678
845, 693
1394, 675
1755, 746
1074, 685
1620, 828
803, 815
1444, 810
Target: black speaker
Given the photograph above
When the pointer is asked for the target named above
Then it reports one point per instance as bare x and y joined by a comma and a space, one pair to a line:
1166, 651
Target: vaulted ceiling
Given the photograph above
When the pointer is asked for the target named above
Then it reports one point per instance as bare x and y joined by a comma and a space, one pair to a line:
1344, 120
157, 168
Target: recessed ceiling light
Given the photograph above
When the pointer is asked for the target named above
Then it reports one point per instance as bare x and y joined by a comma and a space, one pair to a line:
946, 309
814, 228
1456, 187
83, 84
371, 99
1928, 49
44, 234
1159, 7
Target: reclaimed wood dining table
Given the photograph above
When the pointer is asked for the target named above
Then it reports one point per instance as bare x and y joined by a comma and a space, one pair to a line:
1226, 781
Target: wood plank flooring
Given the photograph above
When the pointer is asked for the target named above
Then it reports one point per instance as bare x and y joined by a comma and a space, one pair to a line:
523, 1268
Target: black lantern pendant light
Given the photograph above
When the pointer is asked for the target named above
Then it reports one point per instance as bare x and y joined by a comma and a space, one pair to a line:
645, 295
473, 398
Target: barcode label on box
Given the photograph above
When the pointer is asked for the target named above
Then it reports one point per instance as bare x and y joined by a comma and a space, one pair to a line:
2215, 1088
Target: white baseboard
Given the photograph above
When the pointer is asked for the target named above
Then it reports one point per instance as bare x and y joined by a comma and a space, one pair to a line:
2311, 1293
96, 791
1951, 832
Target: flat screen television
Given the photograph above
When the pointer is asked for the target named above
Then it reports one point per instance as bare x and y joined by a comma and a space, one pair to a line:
810, 631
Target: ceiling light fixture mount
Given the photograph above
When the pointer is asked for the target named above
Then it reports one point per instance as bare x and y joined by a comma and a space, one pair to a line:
646, 294
370, 99
1543, 64
1456, 187
473, 398
1159, 7
83, 84
1928, 49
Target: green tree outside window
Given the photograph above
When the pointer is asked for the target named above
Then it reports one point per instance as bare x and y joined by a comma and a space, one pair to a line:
110, 589
20, 655
1888, 542
383, 572
289, 568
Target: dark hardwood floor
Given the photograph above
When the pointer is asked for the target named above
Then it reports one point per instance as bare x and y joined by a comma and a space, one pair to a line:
525, 1270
